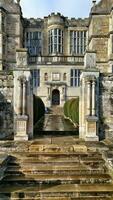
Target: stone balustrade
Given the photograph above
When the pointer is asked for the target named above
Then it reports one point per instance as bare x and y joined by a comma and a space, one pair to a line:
54, 59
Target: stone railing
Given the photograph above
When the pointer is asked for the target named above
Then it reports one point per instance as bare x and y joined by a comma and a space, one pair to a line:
4, 158
56, 59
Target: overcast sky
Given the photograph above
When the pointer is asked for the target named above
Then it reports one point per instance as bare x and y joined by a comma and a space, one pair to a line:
70, 8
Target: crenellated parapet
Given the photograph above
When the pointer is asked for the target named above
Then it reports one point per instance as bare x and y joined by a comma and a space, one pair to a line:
56, 19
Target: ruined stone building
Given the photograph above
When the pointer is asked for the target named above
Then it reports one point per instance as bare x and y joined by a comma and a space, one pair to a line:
56, 58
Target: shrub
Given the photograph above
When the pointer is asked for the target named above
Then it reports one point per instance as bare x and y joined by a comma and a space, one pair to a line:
39, 108
71, 110
66, 109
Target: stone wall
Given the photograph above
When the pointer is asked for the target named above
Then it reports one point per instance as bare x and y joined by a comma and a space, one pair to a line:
6, 107
11, 32
98, 39
106, 106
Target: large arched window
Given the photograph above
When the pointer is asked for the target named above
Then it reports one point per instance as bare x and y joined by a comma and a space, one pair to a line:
56, 41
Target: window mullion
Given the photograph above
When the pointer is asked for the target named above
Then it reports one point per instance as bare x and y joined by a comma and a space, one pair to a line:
77, 77
76, 41
57, 40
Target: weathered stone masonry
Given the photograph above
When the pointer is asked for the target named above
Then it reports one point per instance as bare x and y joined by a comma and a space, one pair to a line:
39, 56
6, 105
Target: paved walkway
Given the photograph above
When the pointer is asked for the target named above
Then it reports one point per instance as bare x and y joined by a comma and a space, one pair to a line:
55, 123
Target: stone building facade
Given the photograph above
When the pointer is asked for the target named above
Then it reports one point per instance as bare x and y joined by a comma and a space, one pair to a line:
56, 58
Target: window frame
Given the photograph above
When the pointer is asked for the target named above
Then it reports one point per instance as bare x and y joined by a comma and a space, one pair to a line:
75, 77
77, 41
55, 41
36, 78
34, 42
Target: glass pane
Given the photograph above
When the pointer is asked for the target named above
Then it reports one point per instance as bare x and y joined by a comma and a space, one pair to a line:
71, 72
71, 34
79, 72
55, 48
76, 82
75, 72
55, 39
84, 33
59, 32
60, 40
55, 31
81, 34
39, 34
59, 49
72, 82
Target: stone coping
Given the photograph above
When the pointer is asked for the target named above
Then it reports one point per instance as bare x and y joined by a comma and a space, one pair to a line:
3, 158
71, 188
22, 50
92, 118
80, 188
21, 117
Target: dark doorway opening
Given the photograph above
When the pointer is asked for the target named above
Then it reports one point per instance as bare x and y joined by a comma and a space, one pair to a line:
55, 97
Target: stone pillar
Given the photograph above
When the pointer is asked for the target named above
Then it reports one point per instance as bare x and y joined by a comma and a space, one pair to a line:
82, 108
83, 102
93, 98
24, 98
20, 98
48, 93
88, 97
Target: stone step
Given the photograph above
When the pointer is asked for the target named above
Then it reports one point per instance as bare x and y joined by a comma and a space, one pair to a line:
101, 178
45, 173
66, 190
65, 198
36, 162
61, 198
42, 160
53, 166
25, 165
57, 156
55, 171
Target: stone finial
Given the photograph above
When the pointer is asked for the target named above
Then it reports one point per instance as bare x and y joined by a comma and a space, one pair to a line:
94, 2
22, 79
18, 1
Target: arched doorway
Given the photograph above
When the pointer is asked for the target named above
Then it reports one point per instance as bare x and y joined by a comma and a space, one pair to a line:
55, 97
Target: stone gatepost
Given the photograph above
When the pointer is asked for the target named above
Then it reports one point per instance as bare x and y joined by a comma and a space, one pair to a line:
23, 98
89, 88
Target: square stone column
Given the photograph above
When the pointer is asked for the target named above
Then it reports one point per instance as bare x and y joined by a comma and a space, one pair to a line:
89, 115
21, 123
91, 128
23, 98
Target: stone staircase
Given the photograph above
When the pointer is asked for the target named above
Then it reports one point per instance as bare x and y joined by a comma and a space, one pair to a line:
56, 172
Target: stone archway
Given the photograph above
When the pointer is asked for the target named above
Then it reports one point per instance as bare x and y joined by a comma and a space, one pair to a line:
55, 97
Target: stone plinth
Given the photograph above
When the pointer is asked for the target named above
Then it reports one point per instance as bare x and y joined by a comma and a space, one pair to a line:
21, 128
21, 58
91, 128
90, 59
